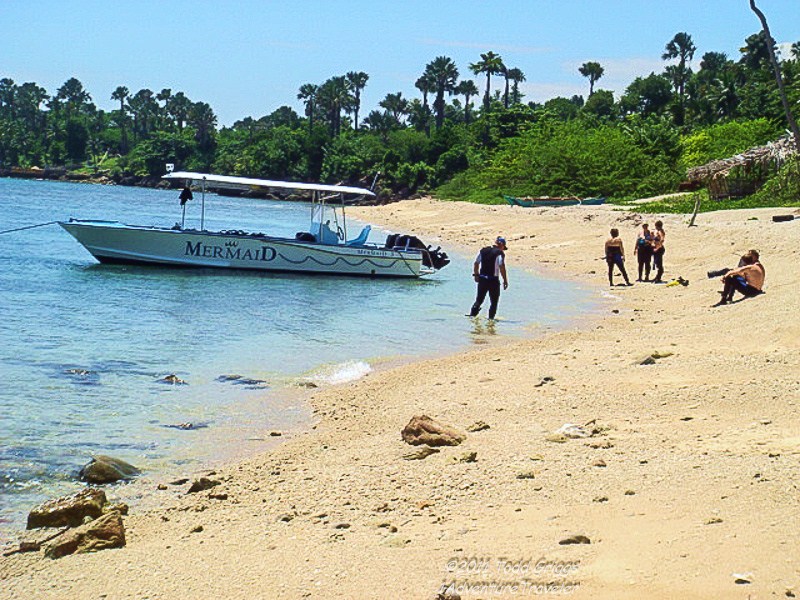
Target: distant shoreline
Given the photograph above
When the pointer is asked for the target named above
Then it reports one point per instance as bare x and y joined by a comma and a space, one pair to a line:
147, 181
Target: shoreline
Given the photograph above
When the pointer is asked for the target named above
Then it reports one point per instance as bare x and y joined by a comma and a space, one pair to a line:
226, 442
338, 512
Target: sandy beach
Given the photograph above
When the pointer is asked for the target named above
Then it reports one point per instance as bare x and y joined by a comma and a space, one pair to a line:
687, 484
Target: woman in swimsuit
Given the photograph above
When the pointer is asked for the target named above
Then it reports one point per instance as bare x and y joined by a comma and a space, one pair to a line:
644, 251
615, 255
658, 250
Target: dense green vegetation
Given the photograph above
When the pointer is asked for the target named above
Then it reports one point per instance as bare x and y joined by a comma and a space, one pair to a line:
452, 140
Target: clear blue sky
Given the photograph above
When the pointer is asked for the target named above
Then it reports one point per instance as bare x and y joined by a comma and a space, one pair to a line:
247, 58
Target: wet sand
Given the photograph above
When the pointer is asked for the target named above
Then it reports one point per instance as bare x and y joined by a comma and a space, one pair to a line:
689, 477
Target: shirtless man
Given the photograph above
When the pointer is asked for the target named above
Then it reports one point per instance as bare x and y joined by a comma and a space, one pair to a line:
747, 280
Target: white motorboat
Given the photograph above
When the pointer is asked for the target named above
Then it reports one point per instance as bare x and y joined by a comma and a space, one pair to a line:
323, 248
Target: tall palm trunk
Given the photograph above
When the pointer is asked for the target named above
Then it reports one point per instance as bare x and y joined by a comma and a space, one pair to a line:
776, 67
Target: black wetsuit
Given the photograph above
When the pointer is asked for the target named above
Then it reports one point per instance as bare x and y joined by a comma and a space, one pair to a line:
614, 257
644, 252
488, 281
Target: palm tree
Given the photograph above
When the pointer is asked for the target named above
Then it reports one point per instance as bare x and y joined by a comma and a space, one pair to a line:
358, 81
335, 96
380, 121
143, 108
468, 89
120, 95
29, 99
443, 73
396, 106
74, 96
204, 121
517, 76
723, 95
425, 85
8, 92
179, 107
491, 64
165, 96
308, 93
419, 116
507, 78
593, 71
777, 70
681, 47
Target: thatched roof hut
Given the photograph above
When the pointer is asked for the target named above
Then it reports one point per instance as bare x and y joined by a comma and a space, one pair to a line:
744, 173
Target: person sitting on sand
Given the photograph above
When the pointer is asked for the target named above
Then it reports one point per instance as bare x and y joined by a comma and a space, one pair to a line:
615, 255
747, 280
659, 235
644, 251
746, 259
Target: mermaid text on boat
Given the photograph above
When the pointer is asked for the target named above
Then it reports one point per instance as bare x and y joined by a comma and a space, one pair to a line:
228, 252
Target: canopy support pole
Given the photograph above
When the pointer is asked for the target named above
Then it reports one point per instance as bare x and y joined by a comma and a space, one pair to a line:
203, 207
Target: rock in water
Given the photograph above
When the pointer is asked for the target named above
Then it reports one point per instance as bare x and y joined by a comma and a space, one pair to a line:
106, 469
105, 532
172, 379
424, 430
68, 510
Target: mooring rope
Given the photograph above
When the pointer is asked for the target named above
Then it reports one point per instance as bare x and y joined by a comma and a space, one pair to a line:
28, 227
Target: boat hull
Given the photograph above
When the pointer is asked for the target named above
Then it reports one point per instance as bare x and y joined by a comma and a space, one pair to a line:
113, 242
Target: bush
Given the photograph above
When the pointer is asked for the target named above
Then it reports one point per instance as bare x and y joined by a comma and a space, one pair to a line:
725, 140
556, 158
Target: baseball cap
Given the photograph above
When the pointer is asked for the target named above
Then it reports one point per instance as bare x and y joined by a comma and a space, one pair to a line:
502, 241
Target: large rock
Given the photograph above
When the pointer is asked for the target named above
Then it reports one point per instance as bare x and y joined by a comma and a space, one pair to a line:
107, 469
422, 429
105, 532
68, 510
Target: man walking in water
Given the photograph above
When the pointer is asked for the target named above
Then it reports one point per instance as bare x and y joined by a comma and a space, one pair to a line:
489, 265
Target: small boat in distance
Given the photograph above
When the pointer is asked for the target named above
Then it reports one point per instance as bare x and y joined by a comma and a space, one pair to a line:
553, 201
324, 247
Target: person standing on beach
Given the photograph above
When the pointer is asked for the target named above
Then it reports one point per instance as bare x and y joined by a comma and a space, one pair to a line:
658, 250
615, 255
489, 265
644, 251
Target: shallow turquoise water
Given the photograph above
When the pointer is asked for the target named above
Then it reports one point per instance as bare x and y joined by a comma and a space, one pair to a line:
84, 344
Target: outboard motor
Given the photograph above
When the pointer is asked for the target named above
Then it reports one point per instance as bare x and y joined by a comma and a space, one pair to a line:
433, 258
438, 258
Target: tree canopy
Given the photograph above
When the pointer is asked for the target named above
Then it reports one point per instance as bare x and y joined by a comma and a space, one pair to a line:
638, 142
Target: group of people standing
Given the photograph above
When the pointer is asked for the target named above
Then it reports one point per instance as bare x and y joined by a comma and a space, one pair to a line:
489, 267
649, 250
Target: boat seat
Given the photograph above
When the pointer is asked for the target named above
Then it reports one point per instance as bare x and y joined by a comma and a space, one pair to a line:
326, 235
305, 236
362, 237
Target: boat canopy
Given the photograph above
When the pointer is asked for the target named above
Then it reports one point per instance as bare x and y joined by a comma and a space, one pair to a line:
249, 183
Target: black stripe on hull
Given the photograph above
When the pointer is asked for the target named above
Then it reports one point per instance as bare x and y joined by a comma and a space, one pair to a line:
113, 260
